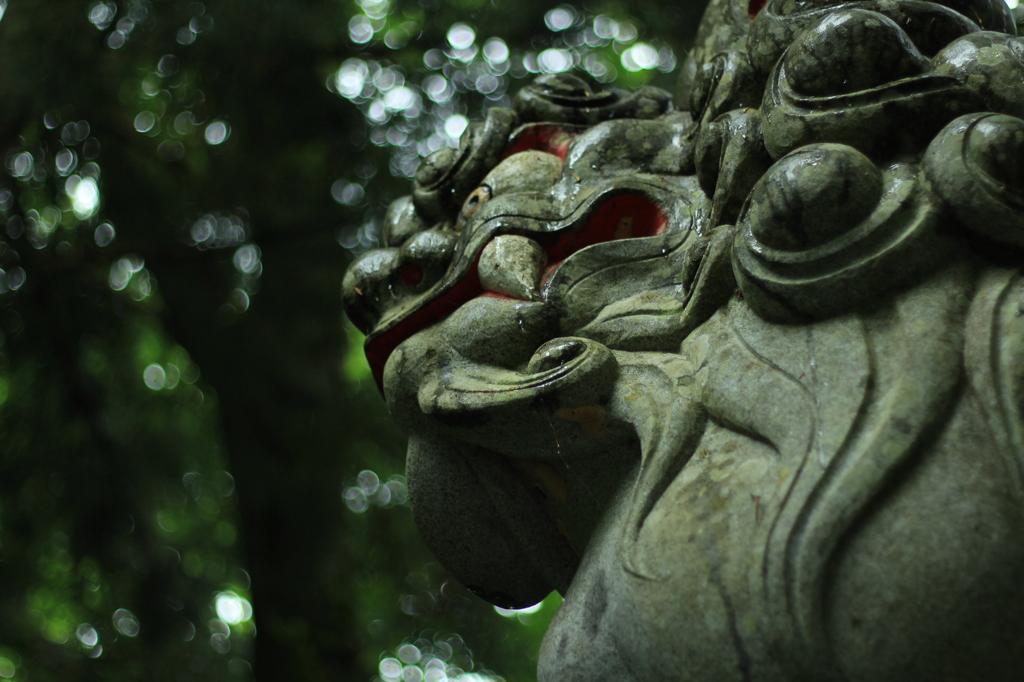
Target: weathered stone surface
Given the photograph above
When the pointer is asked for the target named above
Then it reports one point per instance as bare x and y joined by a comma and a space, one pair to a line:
743, 380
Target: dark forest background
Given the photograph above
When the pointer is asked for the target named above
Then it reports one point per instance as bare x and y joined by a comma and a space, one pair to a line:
197, 476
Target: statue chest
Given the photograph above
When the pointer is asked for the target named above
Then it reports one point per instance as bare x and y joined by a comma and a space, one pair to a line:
845, 514
672, 599
718, 585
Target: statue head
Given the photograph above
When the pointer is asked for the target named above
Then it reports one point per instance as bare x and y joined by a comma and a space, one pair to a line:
554, 233
531, 295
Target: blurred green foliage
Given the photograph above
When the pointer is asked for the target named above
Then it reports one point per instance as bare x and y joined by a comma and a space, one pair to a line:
197, 476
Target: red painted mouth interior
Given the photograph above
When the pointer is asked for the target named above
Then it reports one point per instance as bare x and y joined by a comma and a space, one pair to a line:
622, 216
542, 137
755, 6
412, 274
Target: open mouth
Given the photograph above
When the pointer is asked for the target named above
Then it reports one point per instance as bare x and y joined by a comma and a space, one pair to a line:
607, 216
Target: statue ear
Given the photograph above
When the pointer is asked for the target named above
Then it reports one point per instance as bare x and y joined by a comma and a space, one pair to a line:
487, 523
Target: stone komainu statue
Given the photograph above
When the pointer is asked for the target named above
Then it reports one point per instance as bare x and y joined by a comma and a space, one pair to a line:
739, 372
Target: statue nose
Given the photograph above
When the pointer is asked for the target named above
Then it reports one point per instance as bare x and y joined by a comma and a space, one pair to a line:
382, 279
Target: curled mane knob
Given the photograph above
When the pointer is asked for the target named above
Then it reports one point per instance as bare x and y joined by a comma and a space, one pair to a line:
447, 176
813, 196
563, 98
990, 63
976, 165
726, 81
851, 51
930, 25
857, 78
826, 232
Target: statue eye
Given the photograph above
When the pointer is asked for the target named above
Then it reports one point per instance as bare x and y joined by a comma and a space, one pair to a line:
475, 200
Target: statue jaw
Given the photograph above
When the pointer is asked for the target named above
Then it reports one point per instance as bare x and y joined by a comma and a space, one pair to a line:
501, 463
526, 465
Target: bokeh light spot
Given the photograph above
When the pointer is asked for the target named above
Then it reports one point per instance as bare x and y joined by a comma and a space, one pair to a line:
599, 69
438, 88
184, 123
73, 133
409, 653
640, 57
21, 165
360, 30
554, 60
455, 125
84, 194
400, 98
351, 77
117, 39
369, 481
375, 9
126, 623
155, 377
170, 151
355, 500
216, 231
461, 36
434, 59
167, 66
605, 27
347, 193
200, 23
16, 278
666, 60
390, 669
104, 234
87, 635
238, 299
625, 32
65, 162
396, 38
231, 608
7, 668
247, 258
496, 51
378, 113
101, 14
122, 269
560, 18
220, 642
217, 132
